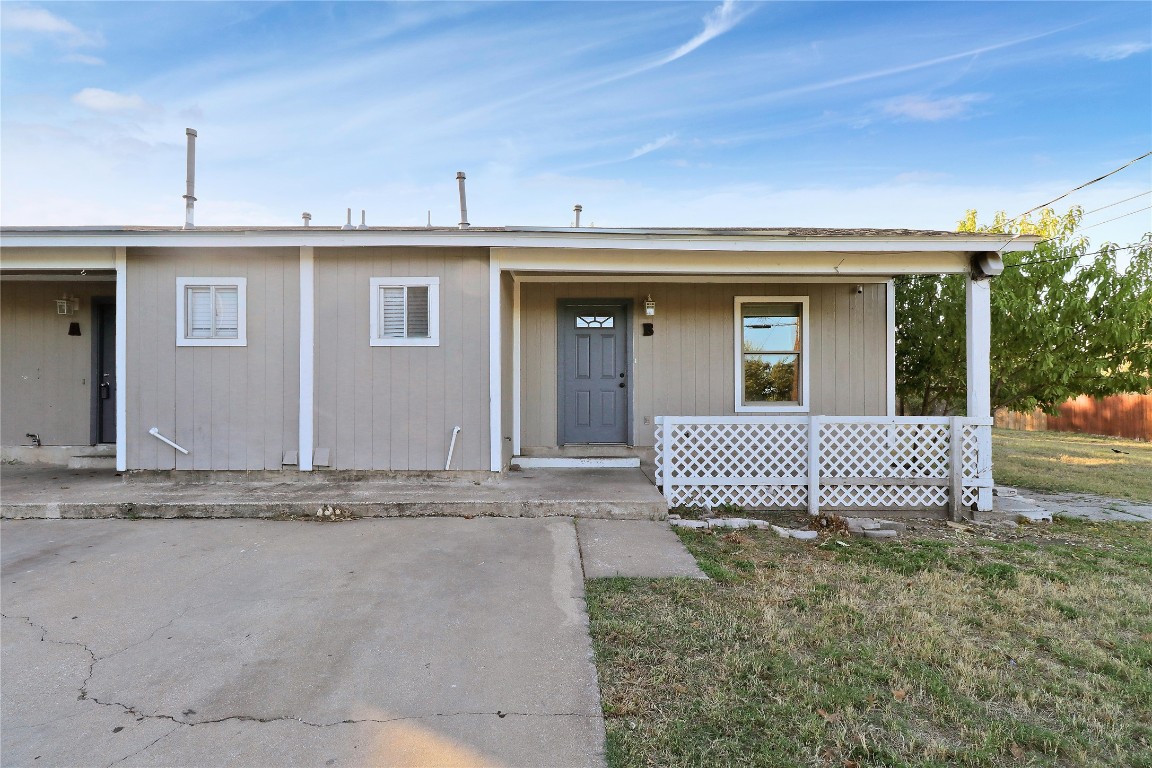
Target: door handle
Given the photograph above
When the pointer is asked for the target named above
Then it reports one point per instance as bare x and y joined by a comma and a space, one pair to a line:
105, 390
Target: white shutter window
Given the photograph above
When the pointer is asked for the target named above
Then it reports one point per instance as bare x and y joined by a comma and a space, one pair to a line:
391, 312
405, 311
199, 301
211, 311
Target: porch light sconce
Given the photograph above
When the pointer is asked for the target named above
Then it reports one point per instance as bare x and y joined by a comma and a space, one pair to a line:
67, 305
73, 329
649, 306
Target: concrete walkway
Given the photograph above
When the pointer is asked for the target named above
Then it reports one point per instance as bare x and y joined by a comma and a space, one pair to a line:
37, 491
1081, 505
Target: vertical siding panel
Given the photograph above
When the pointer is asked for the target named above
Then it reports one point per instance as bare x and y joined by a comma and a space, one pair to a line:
475, 360
342, 375
359, 369
264, 314
163, 379
380, 417
420, 387
452, 343
856, 359
327, 345
437, 400
875, 366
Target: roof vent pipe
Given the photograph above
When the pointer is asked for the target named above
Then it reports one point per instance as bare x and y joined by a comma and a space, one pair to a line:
463, 201
190, 196
578, 208
348, 221
307, 218
362, 224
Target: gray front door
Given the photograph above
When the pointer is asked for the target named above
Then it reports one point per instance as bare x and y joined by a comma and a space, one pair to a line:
593, 367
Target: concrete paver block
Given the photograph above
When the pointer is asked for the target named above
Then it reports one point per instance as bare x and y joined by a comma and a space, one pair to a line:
634, 548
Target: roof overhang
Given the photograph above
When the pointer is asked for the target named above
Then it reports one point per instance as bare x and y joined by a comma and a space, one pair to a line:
753, 241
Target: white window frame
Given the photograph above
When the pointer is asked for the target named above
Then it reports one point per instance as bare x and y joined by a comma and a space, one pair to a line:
241, 286
433, 286
738, 347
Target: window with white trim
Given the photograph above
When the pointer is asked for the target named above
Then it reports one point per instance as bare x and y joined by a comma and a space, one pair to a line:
211, 312
405, 312
771, 354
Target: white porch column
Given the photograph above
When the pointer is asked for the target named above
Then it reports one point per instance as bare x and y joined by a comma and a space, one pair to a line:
978, 294
121, 365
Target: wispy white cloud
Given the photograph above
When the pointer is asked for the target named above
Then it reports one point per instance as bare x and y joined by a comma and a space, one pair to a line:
718, 21
83, 58
652, 146
892, 71
1118, 51
932, 110
29, 18
100, 100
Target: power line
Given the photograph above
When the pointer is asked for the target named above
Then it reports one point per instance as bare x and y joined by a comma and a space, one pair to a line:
1132, 247
1094, 210
1123, 216
1082, 186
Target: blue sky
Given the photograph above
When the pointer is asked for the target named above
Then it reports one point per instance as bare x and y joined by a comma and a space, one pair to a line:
647, 113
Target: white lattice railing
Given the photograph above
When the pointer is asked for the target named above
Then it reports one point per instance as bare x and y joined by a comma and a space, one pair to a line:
826, 462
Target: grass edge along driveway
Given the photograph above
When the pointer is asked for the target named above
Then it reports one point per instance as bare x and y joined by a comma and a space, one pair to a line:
946, 648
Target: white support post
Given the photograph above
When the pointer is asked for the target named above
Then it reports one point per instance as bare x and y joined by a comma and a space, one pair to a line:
890, 320
956, 468
121, 366
814, 465
979, 344
307, 356
495, 446
516, 394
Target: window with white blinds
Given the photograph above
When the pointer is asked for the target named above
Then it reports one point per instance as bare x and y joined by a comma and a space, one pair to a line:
210, 311
405, 311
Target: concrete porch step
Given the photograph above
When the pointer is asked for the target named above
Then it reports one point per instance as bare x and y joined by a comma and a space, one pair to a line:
56, 493
92, 462
576, 462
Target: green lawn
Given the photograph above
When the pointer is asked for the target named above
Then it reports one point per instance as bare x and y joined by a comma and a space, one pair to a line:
1025, 648
1062, 461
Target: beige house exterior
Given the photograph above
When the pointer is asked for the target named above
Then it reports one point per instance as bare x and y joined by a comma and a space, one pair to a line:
430, 349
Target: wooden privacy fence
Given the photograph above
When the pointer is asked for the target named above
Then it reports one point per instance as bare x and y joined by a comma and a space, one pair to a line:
1119, 415
857, 463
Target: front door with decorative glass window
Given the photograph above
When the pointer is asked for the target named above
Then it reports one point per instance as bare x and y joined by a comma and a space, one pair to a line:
594, 385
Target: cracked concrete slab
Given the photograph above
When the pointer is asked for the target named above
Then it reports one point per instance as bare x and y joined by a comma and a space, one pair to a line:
1082, 505
634, 548
239, 642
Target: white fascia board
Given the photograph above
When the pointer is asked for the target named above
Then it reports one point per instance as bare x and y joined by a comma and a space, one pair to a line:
549, 241
18, 254
879, 266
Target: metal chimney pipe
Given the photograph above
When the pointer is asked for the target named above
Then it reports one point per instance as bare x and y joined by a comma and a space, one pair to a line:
307, 218
348, 221
190, 196
463, 201
363, 225
578, 208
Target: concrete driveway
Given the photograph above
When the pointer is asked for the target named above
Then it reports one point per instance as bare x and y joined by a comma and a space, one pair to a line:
440, 642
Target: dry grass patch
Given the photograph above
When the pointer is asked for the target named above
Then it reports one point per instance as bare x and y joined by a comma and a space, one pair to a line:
1061, 461
950, 649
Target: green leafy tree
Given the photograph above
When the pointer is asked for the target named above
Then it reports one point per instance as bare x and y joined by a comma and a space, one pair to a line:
1065, 322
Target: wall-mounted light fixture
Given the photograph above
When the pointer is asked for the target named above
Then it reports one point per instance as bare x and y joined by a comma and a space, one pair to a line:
67, 305
649, 306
